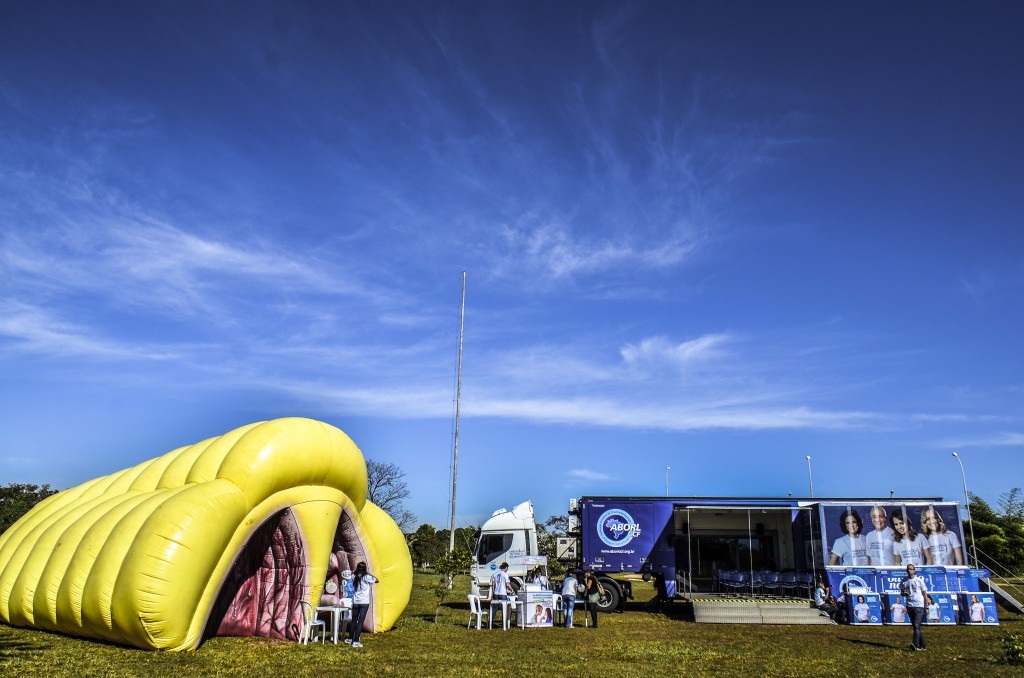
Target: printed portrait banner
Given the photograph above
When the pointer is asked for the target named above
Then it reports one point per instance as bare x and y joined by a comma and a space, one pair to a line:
892, 534
978, 609
943, 609
538, 609
864, 608
894, 609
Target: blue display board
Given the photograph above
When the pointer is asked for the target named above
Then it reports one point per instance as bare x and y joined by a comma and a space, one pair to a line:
894, 609
943, 610
864, 608
978, 609
887, 580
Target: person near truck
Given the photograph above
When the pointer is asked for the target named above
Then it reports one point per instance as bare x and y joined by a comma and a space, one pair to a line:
592, 591
569, 585
501, 588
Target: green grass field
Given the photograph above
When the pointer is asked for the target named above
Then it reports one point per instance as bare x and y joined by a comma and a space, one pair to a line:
637, 643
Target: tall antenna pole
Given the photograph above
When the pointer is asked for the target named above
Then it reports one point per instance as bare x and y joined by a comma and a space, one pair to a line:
458, 397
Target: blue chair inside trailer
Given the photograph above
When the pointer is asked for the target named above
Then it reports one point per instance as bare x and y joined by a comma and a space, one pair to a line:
770, 582
805, 583
788, 583
738, 582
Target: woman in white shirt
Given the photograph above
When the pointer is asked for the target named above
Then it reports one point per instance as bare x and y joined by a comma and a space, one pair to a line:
943, 544
850, 549
361, 582
908, 547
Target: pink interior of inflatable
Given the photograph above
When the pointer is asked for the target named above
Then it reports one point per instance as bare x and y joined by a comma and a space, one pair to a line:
261, 594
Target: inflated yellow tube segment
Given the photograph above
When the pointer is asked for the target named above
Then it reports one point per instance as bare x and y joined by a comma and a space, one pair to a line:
223, 537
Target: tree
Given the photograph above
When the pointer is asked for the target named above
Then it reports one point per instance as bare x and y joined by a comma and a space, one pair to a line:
17, 498
548, 533
999, 536
464, 537
1012, 504
446, 566
425, 546
386, 487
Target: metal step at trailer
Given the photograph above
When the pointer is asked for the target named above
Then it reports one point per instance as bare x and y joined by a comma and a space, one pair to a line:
755, 611
1005, 595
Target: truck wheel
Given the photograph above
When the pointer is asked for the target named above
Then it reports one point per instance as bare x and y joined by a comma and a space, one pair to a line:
609, 602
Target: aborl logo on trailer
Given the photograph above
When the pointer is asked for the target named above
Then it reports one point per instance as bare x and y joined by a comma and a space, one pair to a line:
616, 528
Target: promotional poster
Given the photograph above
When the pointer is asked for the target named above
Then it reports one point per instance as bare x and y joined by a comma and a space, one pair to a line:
978, 608
942, 609
864, 608
538, 609
893, 534
624, 533
894, 609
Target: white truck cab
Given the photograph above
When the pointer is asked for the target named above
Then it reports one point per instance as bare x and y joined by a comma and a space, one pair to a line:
506, 537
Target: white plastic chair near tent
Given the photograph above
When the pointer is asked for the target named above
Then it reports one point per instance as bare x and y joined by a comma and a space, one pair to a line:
476, 609
310, 622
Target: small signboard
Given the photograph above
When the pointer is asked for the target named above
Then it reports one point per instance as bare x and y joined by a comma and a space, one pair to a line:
894, 609
978, 609
942, 609
864, 608
538, 609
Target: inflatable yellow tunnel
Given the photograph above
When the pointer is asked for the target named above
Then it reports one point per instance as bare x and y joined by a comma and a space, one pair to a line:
223, 537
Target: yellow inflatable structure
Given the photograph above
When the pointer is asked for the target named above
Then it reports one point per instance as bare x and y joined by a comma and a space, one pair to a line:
223, 537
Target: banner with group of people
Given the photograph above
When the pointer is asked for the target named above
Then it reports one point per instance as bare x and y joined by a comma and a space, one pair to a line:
894, 534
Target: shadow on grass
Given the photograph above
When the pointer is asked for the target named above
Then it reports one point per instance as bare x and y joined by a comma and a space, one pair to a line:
887, 646
9, 648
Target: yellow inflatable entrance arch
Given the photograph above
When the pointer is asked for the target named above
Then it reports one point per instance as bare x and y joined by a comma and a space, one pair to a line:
223, 537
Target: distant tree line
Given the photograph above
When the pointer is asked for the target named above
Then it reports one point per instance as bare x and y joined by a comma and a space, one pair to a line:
999, 535
17, 498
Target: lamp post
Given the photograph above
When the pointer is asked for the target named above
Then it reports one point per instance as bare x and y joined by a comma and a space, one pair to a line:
810, 478
967, 498
667, 469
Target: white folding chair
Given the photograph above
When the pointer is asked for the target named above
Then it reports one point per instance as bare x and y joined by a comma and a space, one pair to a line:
476, 610
558, 608
310, 622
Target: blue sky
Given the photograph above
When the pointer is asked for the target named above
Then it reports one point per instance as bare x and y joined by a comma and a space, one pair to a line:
716, 236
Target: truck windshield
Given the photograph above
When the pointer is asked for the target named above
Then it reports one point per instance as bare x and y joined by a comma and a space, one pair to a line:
492, 546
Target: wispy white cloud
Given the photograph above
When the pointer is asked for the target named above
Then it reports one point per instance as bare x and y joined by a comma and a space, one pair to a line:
587, 474
632, 414
1000, 439
659, 351
34, 330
